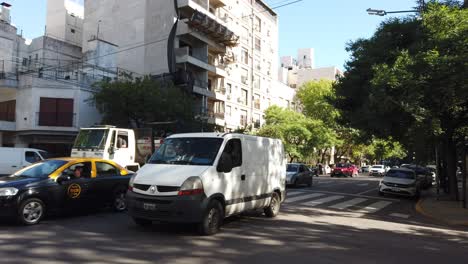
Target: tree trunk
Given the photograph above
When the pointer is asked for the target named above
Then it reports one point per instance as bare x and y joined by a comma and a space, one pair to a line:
322, 159
450, 156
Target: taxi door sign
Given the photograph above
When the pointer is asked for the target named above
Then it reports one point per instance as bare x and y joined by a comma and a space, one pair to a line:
74, 191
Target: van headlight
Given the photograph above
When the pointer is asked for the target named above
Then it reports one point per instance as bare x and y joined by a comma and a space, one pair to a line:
191, 186
8, 191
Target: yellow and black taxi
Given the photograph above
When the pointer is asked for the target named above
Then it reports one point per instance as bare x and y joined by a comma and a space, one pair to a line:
54, 185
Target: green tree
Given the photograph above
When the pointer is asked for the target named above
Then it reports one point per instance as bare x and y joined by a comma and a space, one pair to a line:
409, 81
130, 102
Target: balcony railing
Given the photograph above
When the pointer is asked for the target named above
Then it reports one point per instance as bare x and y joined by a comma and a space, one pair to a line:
55, 119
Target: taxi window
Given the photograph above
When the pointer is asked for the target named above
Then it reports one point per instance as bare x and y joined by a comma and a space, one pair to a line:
79, 170
105, 169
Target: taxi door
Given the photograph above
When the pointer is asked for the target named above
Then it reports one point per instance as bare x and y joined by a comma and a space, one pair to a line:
77, 191
107, 179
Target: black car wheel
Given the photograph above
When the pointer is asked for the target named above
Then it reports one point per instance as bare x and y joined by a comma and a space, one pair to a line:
119, 203
273, 209
31, 211
212, 219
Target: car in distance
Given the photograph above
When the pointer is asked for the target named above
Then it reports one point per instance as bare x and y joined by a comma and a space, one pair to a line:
63, 184
424, 174
344, 169
377, 170
365, 169
400, 182
297, 174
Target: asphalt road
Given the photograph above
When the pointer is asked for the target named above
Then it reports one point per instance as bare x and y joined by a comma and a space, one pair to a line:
337, 220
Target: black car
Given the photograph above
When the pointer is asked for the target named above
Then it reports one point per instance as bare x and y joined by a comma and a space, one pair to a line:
62, 184
424, 174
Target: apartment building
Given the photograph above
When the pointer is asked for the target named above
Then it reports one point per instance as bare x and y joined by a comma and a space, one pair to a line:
43, 88
225, 52
296, 71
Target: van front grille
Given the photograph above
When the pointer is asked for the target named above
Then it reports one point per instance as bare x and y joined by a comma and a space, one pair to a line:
162, 189
142, 187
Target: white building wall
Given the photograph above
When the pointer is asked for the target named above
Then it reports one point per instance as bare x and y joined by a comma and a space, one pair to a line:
305, 58
64, 20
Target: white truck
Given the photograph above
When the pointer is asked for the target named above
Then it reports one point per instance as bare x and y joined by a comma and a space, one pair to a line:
127, 147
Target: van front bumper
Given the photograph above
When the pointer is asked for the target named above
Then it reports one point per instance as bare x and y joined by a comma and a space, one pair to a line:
178, 209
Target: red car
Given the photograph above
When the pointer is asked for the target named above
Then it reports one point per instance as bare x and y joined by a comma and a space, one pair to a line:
344, 169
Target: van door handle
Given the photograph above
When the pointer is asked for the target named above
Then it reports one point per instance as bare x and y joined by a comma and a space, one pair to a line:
243, 177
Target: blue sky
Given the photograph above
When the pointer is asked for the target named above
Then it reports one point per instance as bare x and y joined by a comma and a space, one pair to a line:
325, 26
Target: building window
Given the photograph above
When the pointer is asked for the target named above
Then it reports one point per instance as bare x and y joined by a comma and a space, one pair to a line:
243, 118
7, 111
257, 101
258, 24
245, 56
244, 96
256, 82
228, 110
55, 112
228, 88
257, 121
72, 31
244, 76
258, 44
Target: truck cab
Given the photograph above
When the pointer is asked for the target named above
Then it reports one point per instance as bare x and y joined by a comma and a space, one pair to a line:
109, 143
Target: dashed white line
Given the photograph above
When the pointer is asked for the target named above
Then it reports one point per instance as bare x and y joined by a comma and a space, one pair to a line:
348, 203
374, 207
323, 200
405, 216
303, 197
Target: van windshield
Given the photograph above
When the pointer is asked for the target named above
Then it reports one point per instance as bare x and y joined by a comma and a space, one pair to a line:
187, 151
91, 139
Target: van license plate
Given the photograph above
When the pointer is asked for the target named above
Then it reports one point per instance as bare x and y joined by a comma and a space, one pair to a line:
149, 206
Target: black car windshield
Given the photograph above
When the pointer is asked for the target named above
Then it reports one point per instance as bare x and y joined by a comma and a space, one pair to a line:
400, 174
292, 167
41, 169
91, 139
187, 151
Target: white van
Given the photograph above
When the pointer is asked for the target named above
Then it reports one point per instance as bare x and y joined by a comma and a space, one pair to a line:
204, 177
14, 159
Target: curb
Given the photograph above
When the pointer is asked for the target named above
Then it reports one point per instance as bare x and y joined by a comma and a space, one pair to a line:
420, 210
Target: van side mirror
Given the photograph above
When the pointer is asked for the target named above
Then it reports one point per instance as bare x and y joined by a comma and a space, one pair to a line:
225, 163
63, 178
111, 149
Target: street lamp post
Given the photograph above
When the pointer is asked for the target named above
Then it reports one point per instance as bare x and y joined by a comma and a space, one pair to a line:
379, 12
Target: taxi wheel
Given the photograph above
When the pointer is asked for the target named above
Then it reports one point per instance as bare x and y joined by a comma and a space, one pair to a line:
119, 203
31, 211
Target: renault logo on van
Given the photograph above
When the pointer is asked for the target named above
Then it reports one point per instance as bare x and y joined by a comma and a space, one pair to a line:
152, 189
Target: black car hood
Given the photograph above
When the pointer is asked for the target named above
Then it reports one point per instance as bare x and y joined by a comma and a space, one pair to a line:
17, 181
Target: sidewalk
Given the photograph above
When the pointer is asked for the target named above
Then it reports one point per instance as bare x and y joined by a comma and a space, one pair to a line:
442, 210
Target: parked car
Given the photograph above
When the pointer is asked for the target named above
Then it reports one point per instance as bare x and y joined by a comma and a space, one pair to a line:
422, 173
401, 182
344, 169
297, 174
365, 169
63, 184
204, 177
377, 170
14, 159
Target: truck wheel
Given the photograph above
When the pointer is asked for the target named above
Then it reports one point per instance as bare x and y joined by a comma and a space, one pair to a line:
119, 203
142, 222
31, 211
273, 209
212, 219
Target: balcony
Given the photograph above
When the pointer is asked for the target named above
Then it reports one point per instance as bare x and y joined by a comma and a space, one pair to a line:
7, 125
184, 29
183, 55
208, 24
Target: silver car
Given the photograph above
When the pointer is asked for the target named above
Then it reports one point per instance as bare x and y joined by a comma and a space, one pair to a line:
297, 174
400, 182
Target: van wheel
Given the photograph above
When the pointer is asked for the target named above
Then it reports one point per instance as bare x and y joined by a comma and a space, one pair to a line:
273, 209
142, 222
31, 211
119, 204
212, 219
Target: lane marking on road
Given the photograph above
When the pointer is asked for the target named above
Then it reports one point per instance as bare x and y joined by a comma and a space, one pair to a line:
377, 206
323, 200
405, 216
370, 190
303, 197
348, 203
357, 195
